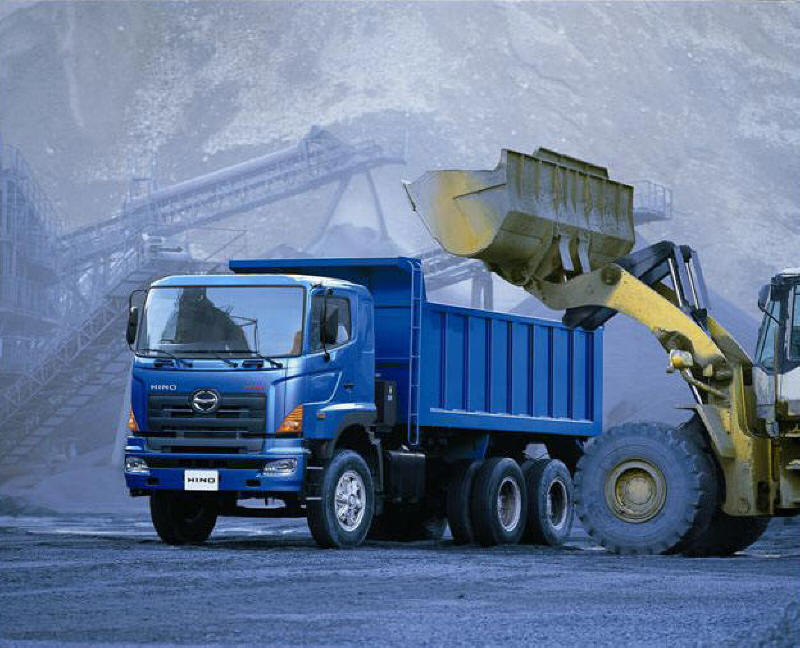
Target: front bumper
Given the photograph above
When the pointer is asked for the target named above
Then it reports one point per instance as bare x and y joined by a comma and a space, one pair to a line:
247, 481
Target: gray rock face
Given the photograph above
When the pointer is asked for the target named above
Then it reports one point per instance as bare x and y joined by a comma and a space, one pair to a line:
703, 97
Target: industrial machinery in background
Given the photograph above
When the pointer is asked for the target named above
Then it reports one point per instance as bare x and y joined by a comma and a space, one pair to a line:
63, 293
562, 230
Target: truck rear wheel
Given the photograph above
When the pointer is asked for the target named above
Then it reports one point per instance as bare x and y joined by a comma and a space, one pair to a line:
183, 518
342, 516
499, 502
641, 489
550, 502
459, 501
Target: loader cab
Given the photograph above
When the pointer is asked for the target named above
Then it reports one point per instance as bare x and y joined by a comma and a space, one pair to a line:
777, 357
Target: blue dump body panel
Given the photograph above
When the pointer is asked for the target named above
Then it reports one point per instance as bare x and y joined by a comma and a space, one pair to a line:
478, 370
501, 372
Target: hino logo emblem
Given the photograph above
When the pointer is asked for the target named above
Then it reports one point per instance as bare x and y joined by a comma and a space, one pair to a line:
205, 401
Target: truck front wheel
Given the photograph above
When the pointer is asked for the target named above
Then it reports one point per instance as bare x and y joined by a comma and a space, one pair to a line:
641, 488
183, 518
342, 515
499, 502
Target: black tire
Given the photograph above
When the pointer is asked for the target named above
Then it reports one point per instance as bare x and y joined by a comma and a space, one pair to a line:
727, 534
642, 488
550, 502
325, 525
487, 518
459, 490
724, 535
183, 518
407, 524
693, 432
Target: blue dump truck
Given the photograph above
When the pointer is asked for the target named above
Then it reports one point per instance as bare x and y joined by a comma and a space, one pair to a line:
332, 389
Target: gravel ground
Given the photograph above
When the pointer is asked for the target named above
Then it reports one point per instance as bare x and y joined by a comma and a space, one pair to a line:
108, 581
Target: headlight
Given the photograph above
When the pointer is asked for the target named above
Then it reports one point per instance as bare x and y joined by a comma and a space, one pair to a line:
136, 465
280, 467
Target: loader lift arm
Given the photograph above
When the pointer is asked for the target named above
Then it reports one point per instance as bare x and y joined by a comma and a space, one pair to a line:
562, 230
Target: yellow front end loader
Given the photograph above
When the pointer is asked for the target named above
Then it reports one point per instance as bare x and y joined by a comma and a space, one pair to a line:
563, 230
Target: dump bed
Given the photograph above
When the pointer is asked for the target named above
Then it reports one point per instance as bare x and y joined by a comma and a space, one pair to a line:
495, 371
466, 368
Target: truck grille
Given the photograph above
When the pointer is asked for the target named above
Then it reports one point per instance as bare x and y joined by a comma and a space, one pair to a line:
238, 417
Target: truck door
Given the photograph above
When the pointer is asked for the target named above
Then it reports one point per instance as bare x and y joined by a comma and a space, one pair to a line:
789, 374
764, 367
340, 344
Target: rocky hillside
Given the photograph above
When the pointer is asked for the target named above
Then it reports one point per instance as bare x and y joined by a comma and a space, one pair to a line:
702, 97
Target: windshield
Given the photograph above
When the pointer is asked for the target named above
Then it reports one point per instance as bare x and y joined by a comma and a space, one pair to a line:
265, 320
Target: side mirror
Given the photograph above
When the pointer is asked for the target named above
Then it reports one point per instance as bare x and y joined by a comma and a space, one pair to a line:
330, 328
763, 297
133, 325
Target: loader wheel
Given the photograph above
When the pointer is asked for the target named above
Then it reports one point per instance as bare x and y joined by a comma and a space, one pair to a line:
459, 491
499, 502
727, 534
724, 535
183, 518
343, 514
641, 488
550, 495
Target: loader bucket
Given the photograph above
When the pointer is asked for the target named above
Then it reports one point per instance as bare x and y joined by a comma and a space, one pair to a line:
534, 217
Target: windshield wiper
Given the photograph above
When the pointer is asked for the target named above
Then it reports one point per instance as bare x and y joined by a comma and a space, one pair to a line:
166, 354
272, 362
216, 352
217, 355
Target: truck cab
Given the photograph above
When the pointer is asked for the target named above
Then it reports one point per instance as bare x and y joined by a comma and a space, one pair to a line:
238, 382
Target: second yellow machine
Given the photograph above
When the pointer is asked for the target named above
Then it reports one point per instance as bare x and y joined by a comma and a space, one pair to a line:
563, 230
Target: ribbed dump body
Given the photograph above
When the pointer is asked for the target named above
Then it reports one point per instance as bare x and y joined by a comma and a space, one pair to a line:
492, 371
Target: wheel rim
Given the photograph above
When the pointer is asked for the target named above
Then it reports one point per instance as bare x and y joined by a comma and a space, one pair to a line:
557, 503
509, 504
635, 490
350, 500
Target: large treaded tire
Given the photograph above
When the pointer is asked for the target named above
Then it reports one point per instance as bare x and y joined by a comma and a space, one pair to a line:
496, 474
323, 522
727, 535
459, 501
549, 523
183, 518
724, 535
688, 484
693, 432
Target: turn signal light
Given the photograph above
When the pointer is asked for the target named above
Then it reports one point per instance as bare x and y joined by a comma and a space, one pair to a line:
133, 426
292, 425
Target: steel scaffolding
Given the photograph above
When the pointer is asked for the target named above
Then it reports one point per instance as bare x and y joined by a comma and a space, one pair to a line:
102, 263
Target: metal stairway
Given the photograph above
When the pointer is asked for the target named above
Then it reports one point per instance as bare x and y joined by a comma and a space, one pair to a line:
78, 368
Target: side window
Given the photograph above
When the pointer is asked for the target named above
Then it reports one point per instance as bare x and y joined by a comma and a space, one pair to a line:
338, 310
794, 338
765, 348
